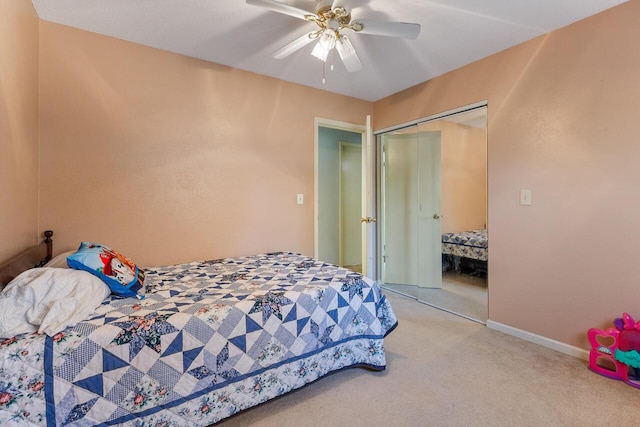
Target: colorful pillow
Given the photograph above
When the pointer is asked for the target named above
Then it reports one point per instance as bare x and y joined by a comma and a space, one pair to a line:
123, 277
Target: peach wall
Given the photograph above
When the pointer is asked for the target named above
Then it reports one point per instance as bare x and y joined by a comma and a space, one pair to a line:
464, 178
18, 127
463, 201
563, 115
168, 158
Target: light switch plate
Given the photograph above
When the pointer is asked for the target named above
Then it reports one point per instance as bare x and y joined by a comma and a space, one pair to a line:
525, 197
300, 199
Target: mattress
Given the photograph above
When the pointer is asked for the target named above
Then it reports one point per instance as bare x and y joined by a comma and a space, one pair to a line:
210, 339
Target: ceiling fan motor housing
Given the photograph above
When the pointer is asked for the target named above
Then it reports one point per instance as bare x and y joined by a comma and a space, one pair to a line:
334, 19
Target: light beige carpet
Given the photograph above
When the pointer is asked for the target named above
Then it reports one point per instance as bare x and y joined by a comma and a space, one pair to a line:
443, 370
460, 293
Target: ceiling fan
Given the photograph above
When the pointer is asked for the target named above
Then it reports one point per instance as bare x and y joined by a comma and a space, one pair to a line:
332, 19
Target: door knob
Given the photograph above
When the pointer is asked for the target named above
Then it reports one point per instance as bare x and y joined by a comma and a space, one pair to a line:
436, 216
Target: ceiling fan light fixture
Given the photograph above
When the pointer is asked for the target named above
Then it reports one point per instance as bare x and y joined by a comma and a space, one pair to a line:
320, 52
348, 54
345, 48
326, 42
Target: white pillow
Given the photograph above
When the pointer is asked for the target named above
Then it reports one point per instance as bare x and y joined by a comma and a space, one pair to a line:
59, 261
47, 300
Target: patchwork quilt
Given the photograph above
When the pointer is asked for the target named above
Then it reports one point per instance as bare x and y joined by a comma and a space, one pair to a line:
467, 244
211, 338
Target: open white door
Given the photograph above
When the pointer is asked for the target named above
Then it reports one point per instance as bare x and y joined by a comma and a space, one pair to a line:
368, 203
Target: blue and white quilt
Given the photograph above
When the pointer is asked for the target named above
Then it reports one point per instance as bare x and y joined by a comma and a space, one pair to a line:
211, 338
472, 244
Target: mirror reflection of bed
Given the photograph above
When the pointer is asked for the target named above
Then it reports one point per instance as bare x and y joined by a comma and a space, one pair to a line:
464, 274
464, 289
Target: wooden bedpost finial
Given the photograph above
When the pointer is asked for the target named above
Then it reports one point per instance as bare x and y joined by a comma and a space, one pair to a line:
49, 242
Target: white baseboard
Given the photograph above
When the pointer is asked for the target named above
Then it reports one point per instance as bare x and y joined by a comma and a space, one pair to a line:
540, 340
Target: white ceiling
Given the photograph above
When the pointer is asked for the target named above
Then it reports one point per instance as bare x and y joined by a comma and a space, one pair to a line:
230, 32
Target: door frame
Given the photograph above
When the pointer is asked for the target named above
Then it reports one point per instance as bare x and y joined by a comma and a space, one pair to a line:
320, 122
432, 117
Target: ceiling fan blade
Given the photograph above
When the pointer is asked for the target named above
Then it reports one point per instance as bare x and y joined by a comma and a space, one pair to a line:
390, 29
280, 7
295, 45
348, 54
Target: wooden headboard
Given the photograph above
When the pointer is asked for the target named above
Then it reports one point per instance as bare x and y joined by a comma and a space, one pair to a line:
36, 256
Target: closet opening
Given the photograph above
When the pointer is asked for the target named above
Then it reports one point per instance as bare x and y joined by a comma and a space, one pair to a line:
433, 211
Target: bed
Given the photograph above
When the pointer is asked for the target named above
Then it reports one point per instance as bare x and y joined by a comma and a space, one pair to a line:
210, 339
466, 251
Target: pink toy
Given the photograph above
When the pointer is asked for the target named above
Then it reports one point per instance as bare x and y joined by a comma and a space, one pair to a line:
615, 353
